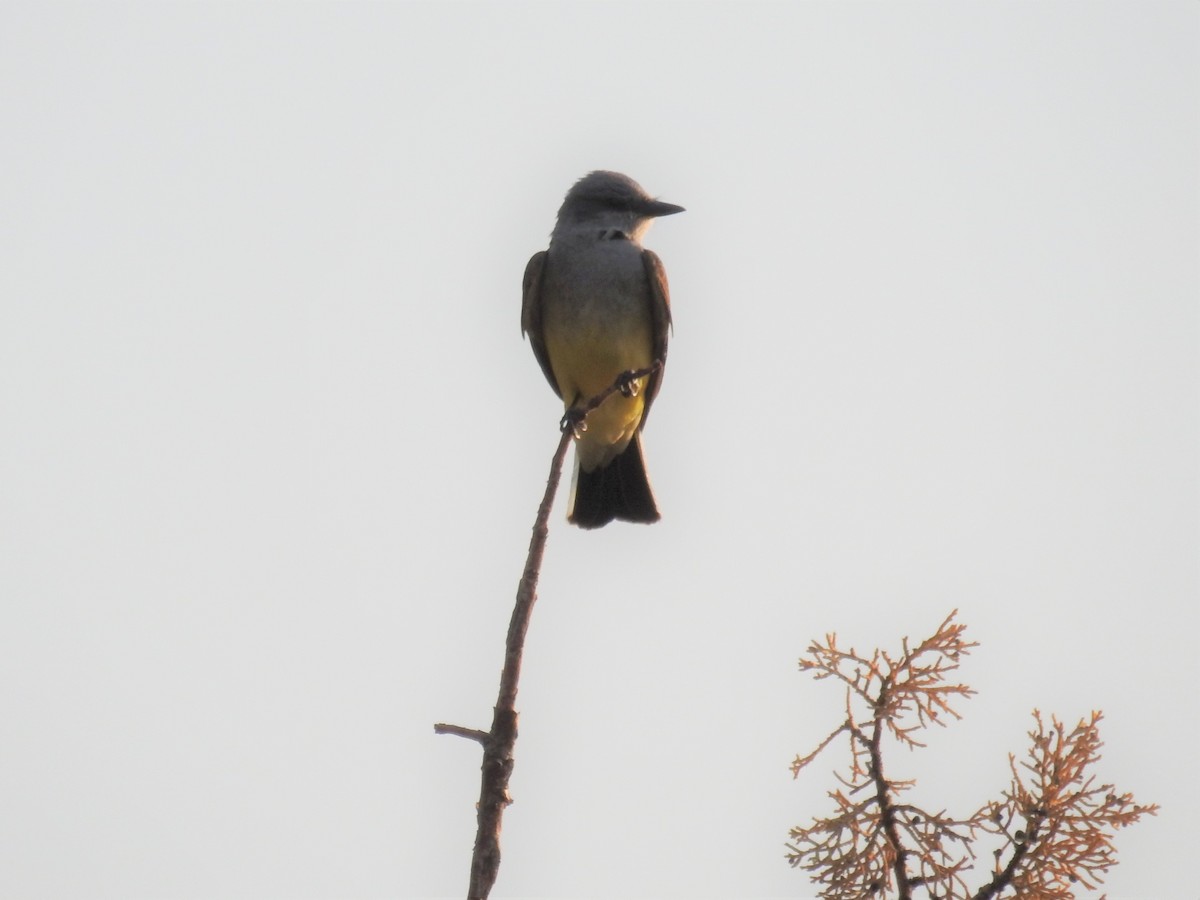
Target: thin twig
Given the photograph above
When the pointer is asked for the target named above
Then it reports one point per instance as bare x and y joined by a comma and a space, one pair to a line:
498, 742
498, 748
801, 762
473, 734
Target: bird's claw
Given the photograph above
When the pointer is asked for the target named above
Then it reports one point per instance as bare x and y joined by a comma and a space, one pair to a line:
574, 421
628, 385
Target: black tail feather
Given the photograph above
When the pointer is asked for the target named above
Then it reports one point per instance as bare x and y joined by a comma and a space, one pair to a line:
620, 490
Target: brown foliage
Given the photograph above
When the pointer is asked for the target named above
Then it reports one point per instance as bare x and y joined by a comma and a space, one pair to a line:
1053, 823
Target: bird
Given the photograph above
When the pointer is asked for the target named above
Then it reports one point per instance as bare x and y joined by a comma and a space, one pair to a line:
595, 305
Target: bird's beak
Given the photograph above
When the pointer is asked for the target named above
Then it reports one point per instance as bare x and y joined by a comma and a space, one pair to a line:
656, 208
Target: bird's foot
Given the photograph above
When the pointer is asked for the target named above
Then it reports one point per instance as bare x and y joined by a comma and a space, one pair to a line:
627, 384
574, 421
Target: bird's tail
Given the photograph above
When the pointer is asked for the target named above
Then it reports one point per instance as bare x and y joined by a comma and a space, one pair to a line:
620, 490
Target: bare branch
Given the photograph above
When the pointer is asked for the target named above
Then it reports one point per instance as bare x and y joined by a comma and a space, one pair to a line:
473, 734
800, 762
502, 737
498, 742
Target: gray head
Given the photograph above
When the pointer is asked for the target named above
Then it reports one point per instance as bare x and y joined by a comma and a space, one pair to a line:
610, 200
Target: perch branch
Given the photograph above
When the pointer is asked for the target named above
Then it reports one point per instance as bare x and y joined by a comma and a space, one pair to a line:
498, 741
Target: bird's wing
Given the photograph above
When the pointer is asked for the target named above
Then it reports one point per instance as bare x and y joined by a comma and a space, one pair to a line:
531, 314
660, 319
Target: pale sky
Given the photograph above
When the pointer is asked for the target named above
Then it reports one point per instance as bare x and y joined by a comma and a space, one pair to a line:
271, 443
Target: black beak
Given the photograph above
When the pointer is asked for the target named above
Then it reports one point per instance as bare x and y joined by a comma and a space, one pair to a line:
656, 208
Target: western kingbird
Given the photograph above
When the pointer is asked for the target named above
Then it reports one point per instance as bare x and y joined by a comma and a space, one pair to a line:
595, 305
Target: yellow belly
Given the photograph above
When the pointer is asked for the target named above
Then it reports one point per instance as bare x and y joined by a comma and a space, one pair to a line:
586, 363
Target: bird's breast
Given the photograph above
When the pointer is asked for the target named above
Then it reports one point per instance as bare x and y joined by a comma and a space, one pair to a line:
596, 316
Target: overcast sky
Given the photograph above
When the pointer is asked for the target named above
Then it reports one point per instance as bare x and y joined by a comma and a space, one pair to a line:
271, 443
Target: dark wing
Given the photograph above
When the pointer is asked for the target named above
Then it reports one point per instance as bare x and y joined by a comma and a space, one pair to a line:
531, 314
660, 318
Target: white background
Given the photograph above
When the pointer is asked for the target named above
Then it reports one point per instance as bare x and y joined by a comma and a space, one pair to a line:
271, 444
